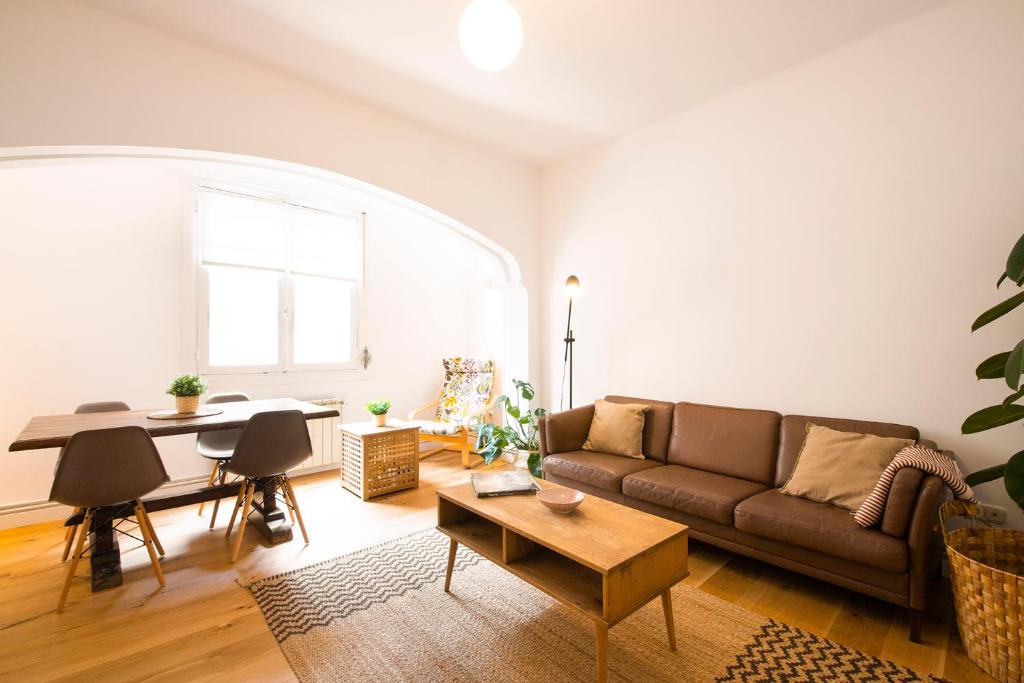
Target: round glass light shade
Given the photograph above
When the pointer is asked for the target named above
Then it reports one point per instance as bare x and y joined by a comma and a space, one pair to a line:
490, 33
572, 286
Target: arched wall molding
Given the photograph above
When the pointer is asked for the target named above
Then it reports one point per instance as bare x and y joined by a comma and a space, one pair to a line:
25, 156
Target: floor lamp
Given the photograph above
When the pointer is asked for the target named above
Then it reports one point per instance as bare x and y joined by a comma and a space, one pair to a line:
572, 288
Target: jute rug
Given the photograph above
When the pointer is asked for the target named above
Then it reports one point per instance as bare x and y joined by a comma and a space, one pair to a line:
381, 614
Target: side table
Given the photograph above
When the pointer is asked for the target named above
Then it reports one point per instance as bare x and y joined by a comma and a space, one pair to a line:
378, 460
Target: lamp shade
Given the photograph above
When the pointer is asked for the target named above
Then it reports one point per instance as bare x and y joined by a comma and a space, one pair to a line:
572, 286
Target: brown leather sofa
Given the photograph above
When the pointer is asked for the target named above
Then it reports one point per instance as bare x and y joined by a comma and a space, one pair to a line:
718, 470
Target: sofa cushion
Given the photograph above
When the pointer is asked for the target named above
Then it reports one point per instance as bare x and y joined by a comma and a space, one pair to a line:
617, 428
707, 495
841, 468
794, 428
602, 470
736, 442
657, 425
821, 527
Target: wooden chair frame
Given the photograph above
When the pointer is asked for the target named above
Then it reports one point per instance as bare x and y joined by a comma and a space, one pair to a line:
464, 439
77, 534
244, 505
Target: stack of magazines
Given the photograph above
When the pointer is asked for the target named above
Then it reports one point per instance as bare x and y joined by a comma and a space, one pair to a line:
490, 484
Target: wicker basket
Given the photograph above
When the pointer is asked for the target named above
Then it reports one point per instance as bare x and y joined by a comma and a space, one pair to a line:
986, 568
186, 404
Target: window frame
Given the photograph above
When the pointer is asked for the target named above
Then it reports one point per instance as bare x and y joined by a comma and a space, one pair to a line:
286, 303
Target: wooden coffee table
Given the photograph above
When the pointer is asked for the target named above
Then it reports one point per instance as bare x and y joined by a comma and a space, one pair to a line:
604, 560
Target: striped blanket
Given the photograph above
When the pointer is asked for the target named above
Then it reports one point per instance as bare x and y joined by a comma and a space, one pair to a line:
923, 458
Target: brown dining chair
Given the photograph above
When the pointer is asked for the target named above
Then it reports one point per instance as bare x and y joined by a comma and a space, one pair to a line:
271, 444
218, 447
104, 473
97, 407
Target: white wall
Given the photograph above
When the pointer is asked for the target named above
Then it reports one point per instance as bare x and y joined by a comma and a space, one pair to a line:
75, 75
94, 306
817, 242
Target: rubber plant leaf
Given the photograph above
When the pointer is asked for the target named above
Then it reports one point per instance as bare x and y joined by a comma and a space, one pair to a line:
1013, 478
993, 367
998, 311
1012, 398
1015, 261
1015, 366
986, 475
992, 417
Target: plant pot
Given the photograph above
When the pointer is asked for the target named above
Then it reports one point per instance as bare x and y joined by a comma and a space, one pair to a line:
381, 420
521, 459
186, 404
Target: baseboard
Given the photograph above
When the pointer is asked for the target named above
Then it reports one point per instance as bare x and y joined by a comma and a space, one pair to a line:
38, 511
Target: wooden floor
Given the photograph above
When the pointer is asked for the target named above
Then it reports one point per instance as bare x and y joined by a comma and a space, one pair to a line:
205, 626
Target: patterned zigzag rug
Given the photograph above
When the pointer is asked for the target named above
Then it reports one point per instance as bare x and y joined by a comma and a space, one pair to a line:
381, 614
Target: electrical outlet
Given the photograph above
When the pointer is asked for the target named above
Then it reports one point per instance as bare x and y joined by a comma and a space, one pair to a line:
993, 514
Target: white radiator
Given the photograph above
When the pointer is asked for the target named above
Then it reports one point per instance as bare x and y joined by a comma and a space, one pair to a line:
324, 437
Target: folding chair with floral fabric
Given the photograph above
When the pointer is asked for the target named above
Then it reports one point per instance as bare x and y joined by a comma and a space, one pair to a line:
466, 399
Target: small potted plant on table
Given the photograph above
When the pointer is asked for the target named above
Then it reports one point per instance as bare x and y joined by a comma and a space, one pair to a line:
186, 391
379, 409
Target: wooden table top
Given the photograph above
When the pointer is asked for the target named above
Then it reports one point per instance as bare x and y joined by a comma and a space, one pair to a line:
53, 431
599, 533
368, 427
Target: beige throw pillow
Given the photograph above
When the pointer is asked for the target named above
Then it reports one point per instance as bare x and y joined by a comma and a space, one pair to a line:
841, 468
617, 428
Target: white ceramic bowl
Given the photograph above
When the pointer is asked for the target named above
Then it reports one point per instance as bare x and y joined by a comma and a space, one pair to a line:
560, 500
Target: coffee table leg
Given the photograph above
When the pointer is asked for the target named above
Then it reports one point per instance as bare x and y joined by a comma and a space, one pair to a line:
670, 622
453, 545
601, 631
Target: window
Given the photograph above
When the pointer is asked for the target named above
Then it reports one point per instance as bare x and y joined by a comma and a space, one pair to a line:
278, 285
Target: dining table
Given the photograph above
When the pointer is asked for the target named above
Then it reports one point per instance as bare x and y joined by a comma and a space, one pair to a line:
54, 431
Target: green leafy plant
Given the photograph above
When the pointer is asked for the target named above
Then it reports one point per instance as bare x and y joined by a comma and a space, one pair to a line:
187, 385
379, 407
1007, 366
519, 431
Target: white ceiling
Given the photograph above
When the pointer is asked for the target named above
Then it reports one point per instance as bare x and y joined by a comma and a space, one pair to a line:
589, 69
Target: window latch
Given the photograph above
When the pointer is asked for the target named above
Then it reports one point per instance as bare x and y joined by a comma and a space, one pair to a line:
365, 357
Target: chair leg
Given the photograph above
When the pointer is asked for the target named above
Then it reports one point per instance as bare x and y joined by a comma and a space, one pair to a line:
69, 539
213, 478
464, 447
220, 480
238, 501
140, 515
86, 524
290, 493
149, 527
251, 490
423, 455
287, 499
69, 531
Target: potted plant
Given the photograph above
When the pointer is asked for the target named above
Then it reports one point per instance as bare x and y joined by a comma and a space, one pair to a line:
186, 390
986, 566
379, 409
518, 436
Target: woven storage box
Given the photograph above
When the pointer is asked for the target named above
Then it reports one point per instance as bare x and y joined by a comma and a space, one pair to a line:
378, 460
986, 568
